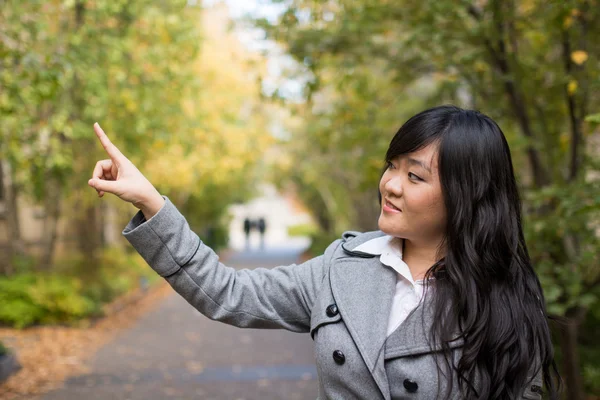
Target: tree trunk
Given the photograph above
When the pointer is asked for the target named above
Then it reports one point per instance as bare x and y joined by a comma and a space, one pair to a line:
15, 243
368, 215
50, 231
570, 359
89, 232
88, 220
497, 49
330, 207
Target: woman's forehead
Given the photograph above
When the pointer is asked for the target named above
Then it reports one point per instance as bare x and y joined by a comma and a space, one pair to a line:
425, 157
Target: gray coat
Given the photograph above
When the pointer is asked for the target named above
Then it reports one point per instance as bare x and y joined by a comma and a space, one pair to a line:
342, 298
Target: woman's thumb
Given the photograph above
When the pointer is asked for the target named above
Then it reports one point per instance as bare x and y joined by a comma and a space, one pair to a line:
103, 185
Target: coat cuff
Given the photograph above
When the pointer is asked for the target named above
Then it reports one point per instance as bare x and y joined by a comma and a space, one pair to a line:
165, 241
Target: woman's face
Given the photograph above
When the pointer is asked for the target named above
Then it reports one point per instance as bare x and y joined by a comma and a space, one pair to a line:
412, 205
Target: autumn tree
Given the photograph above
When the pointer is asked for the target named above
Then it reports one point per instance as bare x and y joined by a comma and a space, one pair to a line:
184, 109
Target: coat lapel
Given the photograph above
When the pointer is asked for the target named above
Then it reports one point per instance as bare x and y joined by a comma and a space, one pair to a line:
413, 336
363, 289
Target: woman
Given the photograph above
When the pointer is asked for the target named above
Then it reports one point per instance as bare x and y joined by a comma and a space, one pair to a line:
442, 302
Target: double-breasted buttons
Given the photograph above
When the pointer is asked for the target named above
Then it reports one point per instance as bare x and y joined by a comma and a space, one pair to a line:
410, 386
332, 310
339, 357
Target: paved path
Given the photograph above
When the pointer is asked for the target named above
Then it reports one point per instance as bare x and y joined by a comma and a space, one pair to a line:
174, 352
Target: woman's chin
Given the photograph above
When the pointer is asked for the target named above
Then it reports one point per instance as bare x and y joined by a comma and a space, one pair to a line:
387, 228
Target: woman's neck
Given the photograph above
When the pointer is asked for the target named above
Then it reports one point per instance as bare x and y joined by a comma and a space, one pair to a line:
420, 257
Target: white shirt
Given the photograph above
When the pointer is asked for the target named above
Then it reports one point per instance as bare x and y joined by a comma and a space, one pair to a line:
408, 291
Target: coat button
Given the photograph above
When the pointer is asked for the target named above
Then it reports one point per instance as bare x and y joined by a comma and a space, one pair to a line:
339, 357
410, 386
332, 310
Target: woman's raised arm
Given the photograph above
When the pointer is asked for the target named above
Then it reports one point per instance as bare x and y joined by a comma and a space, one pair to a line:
281, 297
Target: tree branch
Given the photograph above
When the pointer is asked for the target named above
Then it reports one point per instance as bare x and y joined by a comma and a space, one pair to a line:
499, 59
575, 121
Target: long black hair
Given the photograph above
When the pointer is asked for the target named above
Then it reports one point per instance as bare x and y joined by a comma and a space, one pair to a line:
485, 272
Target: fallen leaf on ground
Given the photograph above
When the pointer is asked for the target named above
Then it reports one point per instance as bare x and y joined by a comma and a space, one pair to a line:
50, 354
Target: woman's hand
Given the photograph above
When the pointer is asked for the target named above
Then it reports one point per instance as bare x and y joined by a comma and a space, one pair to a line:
120, 177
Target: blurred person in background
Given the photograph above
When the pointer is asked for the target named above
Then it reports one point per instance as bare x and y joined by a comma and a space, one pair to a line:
262, 227
441, 302
247, 228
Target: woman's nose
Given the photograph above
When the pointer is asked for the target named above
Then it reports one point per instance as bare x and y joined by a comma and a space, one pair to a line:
394, 186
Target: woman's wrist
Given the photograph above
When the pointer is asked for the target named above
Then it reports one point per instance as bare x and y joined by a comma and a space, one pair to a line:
151, 207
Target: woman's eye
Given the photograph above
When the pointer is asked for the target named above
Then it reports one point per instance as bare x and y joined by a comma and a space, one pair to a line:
413, 176
390, 165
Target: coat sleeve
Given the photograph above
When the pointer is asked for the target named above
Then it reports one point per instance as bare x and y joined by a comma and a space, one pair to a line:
280, 297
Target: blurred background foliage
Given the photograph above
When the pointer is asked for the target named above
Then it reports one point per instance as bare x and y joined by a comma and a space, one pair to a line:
533, 66
181, 97
176, 92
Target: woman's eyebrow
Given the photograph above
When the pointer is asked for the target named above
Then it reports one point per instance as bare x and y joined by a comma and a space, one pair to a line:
414, 161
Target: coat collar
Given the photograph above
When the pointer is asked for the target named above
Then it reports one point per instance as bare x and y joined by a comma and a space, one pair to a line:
363, 289
352, 240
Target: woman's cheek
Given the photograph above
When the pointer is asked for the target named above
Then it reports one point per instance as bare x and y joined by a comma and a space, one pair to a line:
430, 201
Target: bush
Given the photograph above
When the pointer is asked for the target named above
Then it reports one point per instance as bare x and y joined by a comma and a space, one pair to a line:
216, 236
119, 272
72, 291
302, 230
319, 243
29, 298
23, 263
3, 350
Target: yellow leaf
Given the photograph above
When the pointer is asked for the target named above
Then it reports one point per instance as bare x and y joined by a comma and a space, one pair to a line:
480, 66
564, 141
579, 57
572, 87
568, 22
526, 7
159, 145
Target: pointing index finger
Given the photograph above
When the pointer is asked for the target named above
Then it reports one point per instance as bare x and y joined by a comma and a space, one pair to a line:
110, 148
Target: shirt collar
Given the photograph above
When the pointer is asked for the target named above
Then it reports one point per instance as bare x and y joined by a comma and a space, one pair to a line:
378, 246
389, 254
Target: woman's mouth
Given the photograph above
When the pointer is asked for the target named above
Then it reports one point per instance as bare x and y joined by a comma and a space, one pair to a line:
389, 207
